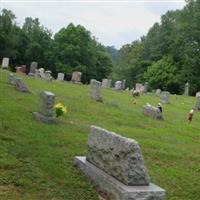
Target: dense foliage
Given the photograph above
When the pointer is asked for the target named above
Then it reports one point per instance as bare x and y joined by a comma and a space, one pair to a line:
72, 48
168, 56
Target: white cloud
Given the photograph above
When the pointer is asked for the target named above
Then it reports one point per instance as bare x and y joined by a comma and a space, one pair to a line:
112, 23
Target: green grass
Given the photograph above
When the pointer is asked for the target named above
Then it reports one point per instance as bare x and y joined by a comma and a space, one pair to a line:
36, 159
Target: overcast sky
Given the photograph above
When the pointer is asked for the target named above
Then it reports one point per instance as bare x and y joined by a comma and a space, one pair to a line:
111, 22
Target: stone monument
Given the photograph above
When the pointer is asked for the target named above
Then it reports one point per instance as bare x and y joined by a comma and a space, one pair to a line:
33, 68
19, 85
5, 63
60, 76
158, 91
164, 97
186, 92
198, 94
152, 112
116, 166
48, 76
11, 79
118, 85
46, 110
95, 90
106, 83
76, 77
197, 106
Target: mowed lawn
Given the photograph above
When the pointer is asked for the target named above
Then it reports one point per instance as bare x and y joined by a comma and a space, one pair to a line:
36, 159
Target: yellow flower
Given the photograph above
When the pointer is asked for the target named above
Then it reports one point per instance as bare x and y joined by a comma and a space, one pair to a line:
58, 105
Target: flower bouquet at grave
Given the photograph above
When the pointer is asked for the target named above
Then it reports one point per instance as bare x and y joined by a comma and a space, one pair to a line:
60, 109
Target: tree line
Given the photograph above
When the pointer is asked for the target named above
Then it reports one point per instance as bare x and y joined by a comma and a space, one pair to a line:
168, 56
72, 48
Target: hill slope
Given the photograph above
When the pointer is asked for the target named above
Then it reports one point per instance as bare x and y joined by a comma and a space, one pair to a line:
36, 159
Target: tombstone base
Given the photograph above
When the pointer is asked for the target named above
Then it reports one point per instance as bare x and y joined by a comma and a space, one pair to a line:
45, 119
115, 190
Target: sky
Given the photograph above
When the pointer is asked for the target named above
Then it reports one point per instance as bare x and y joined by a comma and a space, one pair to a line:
112, 22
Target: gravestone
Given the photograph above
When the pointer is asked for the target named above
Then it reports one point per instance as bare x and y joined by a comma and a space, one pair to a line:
139, 87
116, 166
197, 106
60, 76
152, 112
21, 70
33, 68
106, 83
76, 77
5, 63
118, 85
11, 79
186, 92
19, 85
158, 91
145, 87
46, 110
48, 76
95, 90
41, 73
198, 94
164, 97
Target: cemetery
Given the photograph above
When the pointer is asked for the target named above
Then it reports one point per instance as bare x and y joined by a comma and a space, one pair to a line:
40, 153
100, 100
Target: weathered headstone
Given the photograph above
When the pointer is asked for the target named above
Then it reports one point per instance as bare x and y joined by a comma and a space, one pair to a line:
33, 68
118, 85
116, 165
197, 106
164, 97
11, 79
5, 63
46, 110
198, 94
106, 83
95, 90
76, 77
20, 85
41, 73
186, 92
152, 112
48, 76
60, 76
158, 91
139, 87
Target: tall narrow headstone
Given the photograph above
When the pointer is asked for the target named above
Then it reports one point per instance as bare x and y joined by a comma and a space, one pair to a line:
33, 67
5, 63
164, 97
197, 106
46, 108
95, 90
186, 92
118, 85
116, 166
60, 76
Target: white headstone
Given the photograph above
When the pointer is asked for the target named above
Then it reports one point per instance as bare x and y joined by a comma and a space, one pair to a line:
60, 76
198, 94
118, 85
5, 63
95, 90
186, 92
76, 77
164, 97
106, 83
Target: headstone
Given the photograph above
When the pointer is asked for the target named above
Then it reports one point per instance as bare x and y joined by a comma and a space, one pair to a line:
116, 166
164, 97
106, 83
139, 87
158, 91
21, 70
198, 94
41, 73
123, 84
76, 77
37, 73
48, 76
46, 110
186, 92
33, 68
152, 112
19, 85
5, 63
11, 79
95, 90
197, 106
118, 85
145, 87
60, 76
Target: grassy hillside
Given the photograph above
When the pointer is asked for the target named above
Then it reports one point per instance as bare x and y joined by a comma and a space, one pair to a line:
36, 159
